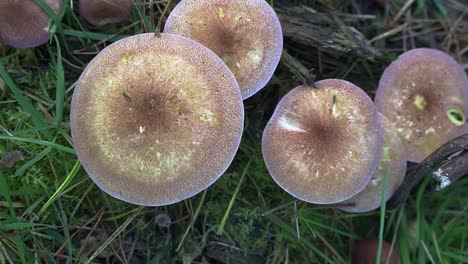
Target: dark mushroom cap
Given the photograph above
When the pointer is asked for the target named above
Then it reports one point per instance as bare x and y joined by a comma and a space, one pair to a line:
102, 12
156, 120
365, 252
392, 163
425, 94
323, 145
246, 34
24, 23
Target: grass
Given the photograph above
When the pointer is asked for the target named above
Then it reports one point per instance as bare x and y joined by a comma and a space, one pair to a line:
51, 212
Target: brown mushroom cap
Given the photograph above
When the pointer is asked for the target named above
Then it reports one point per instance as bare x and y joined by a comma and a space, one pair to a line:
24, 23
102, 12
156, 120
365, 252
392, 163
425, 94
246, 34
323, 145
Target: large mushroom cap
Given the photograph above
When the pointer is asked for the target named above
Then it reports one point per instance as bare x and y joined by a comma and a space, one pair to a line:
425, 94
102, 12
156, 120
23, 23
323, 145
246, 34
392, 164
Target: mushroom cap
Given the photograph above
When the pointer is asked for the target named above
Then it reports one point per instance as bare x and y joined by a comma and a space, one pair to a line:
99, 12
425, 94
24, 23
323, 145
365, 252
156, 120
246, 34
392, 163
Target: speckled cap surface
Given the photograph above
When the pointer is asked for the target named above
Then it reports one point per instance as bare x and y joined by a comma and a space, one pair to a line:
424, 93
246, 34
392, 165
99, 12
156, 120
323, 145
24, 23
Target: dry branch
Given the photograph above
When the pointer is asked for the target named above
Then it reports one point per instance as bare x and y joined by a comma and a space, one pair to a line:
326, 31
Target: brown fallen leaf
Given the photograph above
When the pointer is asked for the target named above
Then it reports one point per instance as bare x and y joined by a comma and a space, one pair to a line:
10, 158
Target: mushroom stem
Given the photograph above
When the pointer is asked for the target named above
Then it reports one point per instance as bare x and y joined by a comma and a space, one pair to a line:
453, 168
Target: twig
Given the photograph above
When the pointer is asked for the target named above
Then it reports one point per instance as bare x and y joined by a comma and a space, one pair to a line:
323, 30
442, 154
451, 171
300, 71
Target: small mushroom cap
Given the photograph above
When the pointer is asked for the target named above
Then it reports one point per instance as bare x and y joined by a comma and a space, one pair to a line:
425, 94
156, 120
365, 252
246, 34
392, 163
24, 23
323, 145
102, 12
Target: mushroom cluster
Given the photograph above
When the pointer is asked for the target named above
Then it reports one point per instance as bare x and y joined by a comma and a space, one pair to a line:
148, 108
424, 93
24, 24
330, 145
324, 145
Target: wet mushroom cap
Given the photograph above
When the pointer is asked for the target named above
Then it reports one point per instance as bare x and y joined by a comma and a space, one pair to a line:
365, 252
323, 145
392, 164
99, 12
24, 23
425, 94
246, 34
156, 120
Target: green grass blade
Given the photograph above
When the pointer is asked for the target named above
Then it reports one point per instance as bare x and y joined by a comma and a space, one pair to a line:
92, 35
21, 248
280, 223
114, 236
36, 116
32, 161
382, 216
39, 142
5, 192
60, 86
16, 226
233, 199
62, 187
57, 18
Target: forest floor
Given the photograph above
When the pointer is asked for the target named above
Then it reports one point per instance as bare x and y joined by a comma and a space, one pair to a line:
51, 211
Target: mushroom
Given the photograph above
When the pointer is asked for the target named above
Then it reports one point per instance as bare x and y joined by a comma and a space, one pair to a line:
246, 34
323, 145
425, 94
365, 252
24, 24
392, 165
156, 120
102, 12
